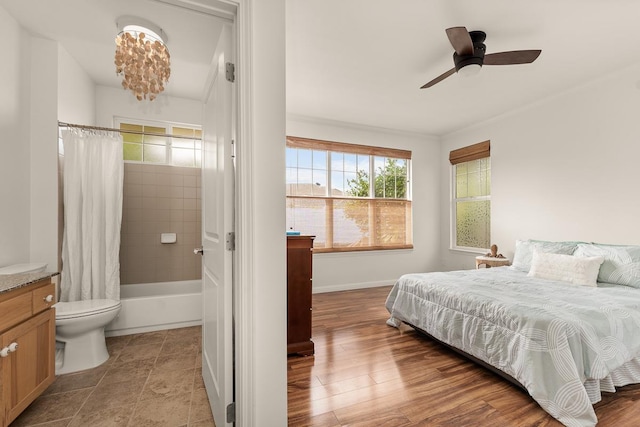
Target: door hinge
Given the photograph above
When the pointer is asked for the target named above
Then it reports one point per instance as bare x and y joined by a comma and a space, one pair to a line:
230, 71
231, 241
231, 412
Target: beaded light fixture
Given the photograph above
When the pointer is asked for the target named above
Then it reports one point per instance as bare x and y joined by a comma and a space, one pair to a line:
142, 57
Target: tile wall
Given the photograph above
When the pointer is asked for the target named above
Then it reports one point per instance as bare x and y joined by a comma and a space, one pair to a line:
160, 199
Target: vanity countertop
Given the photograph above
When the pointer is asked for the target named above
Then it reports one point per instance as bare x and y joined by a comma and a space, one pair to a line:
10, 282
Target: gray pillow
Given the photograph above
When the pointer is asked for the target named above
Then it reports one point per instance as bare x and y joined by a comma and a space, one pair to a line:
621, 263
523, 255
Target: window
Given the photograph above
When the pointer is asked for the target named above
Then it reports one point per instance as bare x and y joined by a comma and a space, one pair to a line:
471, 206
162, 150
351, 197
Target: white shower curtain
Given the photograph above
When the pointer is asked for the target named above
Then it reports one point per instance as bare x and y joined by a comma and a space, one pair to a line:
93, 174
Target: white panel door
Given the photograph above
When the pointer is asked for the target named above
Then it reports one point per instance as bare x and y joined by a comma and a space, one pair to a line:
217, 222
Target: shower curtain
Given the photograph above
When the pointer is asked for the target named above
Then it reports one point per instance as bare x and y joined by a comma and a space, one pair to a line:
93, 175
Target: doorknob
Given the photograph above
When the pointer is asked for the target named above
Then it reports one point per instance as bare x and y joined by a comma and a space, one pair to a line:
199, 251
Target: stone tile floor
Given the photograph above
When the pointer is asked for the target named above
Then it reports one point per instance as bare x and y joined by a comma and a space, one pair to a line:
151, 379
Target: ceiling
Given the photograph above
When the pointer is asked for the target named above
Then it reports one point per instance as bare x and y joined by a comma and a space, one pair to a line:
363, 61
87, 30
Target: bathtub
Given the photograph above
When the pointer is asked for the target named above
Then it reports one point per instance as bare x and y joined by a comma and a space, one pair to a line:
150, 307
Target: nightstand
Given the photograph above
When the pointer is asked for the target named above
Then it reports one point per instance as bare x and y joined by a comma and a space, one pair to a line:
491, 261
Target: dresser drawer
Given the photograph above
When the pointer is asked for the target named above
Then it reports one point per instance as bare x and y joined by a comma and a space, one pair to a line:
15, 310
44, 298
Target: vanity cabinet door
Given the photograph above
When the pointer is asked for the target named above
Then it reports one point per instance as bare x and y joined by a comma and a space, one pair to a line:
28, 367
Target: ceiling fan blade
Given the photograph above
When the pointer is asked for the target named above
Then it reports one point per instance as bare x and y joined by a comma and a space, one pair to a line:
439, 78
460, 40
512, 57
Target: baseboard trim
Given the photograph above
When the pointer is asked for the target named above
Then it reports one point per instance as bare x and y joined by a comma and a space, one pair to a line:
352, 286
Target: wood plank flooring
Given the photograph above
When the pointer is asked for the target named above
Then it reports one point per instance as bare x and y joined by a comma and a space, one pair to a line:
365, 373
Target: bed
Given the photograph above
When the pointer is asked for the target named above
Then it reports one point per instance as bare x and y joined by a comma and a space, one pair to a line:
563, 323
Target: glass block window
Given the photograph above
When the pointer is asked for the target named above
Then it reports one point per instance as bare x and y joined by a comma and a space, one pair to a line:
152, 147
471, 208
351, 197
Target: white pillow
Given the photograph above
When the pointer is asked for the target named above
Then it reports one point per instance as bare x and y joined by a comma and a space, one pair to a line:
566, 268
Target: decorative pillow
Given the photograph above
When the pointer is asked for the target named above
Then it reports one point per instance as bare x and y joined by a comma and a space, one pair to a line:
566, 268
621, 263
524, 251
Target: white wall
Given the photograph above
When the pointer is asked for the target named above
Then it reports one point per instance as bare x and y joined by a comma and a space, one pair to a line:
112, 102
351, 270
562, 169
76, 92
43, 104
15, 170
28, 154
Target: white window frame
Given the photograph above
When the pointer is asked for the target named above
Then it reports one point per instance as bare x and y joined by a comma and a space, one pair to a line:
164, 124
453, 212
335, 148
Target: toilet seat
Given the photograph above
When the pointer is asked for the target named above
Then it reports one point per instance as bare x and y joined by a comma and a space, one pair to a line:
75, 309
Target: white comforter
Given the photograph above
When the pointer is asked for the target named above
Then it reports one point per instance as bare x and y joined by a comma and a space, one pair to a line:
564, 343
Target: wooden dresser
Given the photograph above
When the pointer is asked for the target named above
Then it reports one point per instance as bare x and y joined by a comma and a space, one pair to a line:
299, 274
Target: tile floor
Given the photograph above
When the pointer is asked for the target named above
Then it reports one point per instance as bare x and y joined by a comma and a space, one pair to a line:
151, 379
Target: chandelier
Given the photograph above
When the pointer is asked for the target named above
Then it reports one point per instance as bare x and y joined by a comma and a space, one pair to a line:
142, 57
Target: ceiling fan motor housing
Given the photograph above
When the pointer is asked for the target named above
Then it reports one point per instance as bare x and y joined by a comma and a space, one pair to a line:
479, 49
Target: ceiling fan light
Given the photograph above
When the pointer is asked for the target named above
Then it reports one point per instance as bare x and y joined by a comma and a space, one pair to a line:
469, 70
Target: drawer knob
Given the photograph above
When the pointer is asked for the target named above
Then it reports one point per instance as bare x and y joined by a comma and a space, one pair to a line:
48, 298
9, 349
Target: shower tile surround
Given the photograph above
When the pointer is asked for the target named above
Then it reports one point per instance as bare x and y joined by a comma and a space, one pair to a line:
160, 199
151, 379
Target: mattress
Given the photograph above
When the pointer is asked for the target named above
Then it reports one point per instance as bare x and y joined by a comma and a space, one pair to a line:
564, 343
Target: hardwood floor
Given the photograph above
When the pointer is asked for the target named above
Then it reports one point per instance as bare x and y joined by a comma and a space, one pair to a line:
365, 373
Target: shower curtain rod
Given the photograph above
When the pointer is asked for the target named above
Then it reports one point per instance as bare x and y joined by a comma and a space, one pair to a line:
135, 132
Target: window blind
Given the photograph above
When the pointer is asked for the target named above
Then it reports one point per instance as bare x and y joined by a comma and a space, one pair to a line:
472, 152
343, 147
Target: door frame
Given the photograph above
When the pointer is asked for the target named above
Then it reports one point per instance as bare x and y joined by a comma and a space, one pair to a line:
243, 261
250, 18
261, 360
239, 12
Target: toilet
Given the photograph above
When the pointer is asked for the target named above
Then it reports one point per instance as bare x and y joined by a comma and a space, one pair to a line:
80, 341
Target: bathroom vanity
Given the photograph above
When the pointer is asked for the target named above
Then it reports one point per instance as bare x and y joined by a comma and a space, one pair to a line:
27, 340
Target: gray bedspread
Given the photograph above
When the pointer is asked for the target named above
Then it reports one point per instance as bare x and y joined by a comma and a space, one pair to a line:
564, 343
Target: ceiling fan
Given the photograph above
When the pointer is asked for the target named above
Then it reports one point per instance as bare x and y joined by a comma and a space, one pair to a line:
469, 55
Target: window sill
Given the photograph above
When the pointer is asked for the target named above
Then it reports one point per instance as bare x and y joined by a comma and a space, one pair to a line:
465, 251
360, 251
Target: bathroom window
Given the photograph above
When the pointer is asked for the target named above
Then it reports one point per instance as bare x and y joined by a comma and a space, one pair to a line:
161, 150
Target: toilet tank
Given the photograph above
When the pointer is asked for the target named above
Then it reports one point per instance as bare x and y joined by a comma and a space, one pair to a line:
24, 268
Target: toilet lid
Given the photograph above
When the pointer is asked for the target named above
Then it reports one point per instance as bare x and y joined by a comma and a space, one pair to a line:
65, 310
